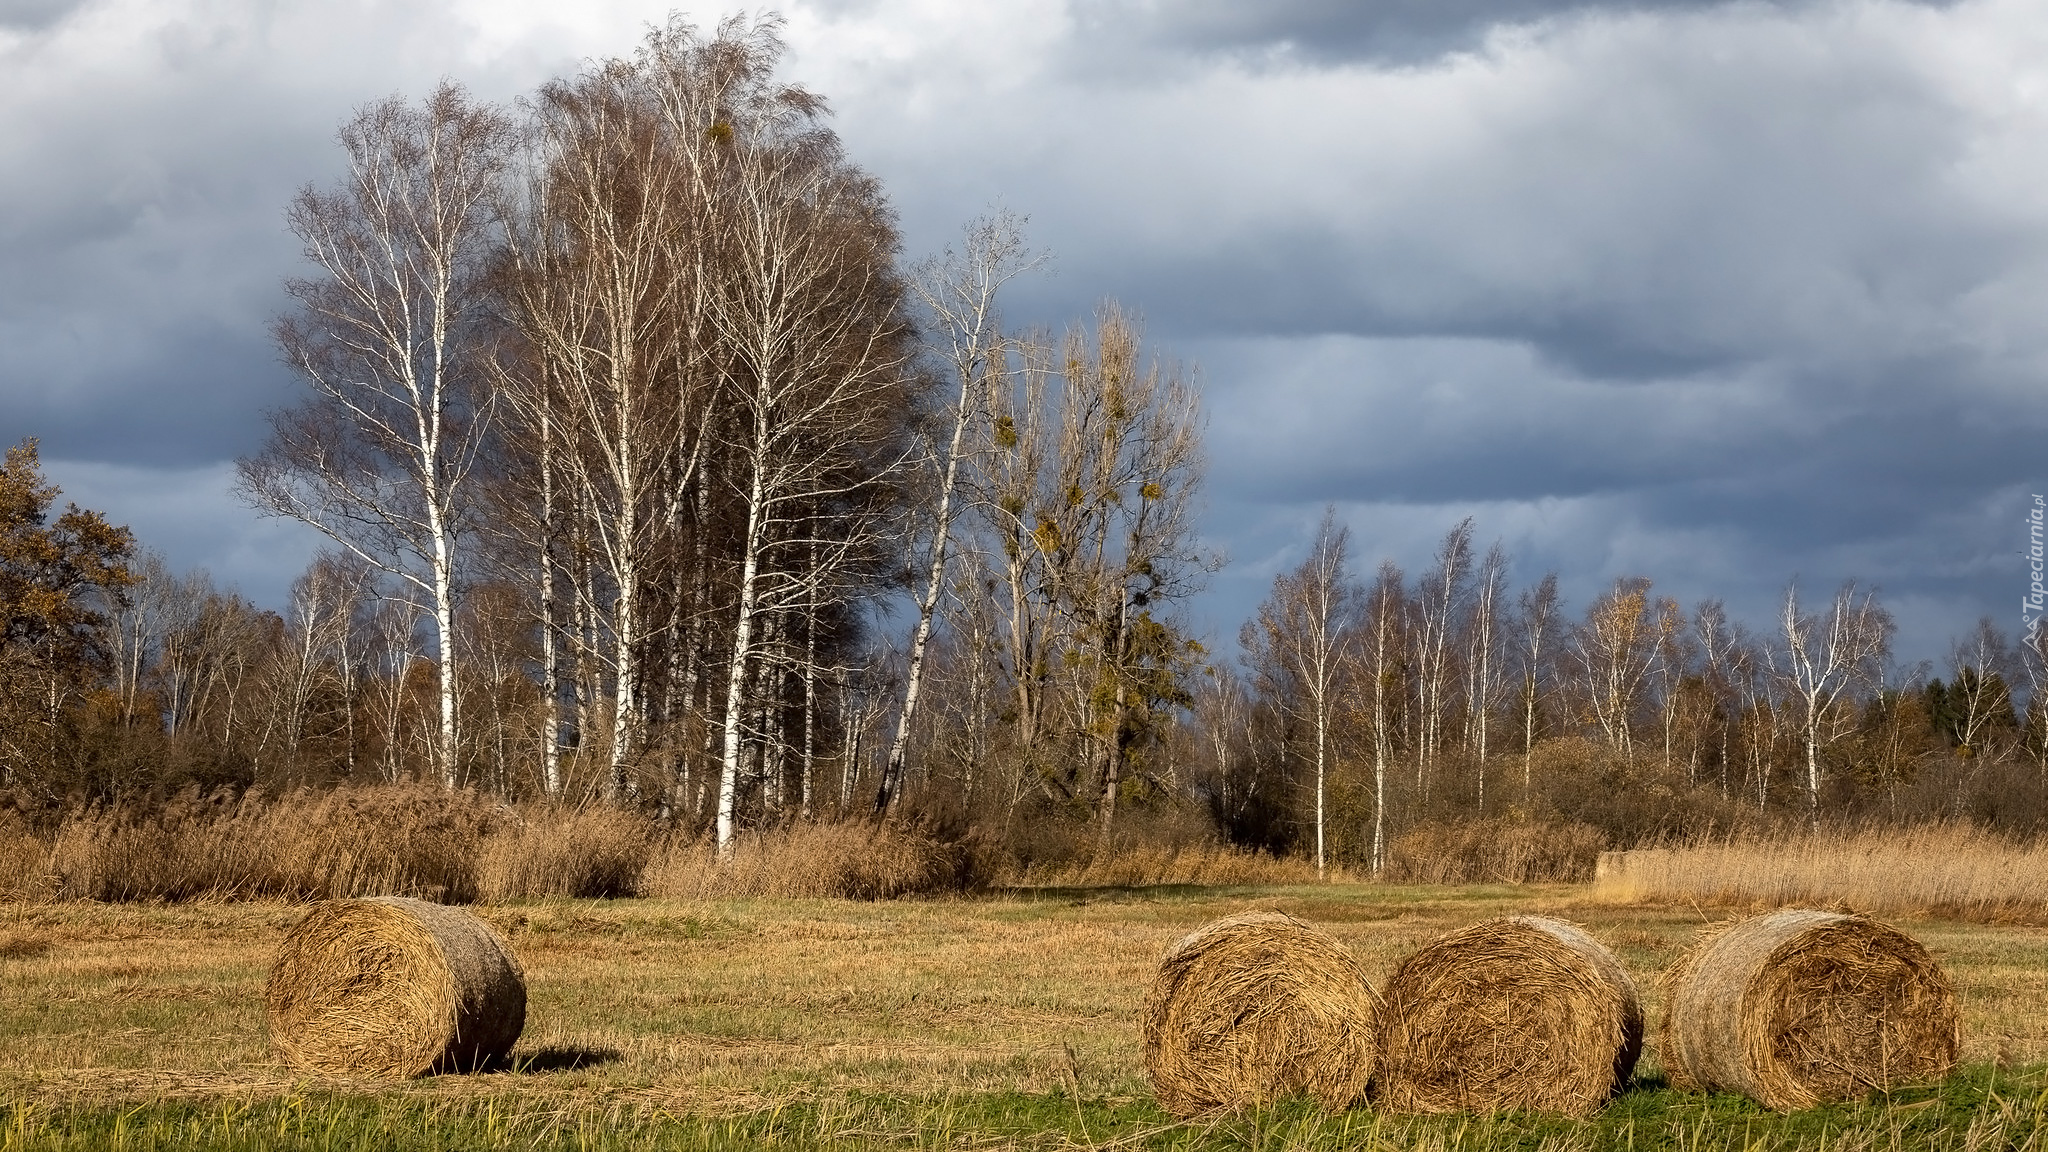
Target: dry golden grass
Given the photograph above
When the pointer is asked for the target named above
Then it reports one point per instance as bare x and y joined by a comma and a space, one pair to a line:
851, 861
705, 1006
1938, 870
343, 842
450, 846
548, 850
1495, 850
1147, 865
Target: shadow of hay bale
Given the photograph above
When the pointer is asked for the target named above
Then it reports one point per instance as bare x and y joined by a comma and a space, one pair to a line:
1254, 1007
557, 1058
1800, 1007
1520, 1013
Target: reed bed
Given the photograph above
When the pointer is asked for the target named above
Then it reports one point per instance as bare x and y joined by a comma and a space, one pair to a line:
852, 861
1149, 865
454, 847
1494, 851
1952, 871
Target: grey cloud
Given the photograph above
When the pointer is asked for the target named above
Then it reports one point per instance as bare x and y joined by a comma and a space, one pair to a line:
36, 15
144, 246
1648, 212
165, 398
1712, 293
1336, 31
1713, 487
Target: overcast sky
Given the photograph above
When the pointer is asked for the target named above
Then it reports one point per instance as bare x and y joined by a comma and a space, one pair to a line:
1713, 293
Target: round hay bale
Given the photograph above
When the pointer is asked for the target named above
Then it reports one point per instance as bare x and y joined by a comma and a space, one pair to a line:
1800, 1007
1257, 1006
393, 987
1521, 1013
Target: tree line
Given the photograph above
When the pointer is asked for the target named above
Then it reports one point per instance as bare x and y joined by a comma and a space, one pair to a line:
651, 477
1454, 696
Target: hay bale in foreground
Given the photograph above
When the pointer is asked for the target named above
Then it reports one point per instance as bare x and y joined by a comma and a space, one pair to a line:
1257, 1006
392, 987
1521, 1013
1799, 1007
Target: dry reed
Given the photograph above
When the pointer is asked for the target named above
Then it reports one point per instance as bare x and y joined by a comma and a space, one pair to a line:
451, 847
1800, 1007
1144, 866
545, 850
24, 861
1257, 1006
852, 861
391, 988
418, 840
1520, 1013
1953, 871
1494, 851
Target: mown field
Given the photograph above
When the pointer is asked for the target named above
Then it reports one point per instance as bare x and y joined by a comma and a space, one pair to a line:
1009, 1020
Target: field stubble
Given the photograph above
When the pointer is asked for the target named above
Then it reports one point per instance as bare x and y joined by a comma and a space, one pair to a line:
818, 1021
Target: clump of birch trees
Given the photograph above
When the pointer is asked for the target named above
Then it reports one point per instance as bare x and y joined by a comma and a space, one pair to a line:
624, 399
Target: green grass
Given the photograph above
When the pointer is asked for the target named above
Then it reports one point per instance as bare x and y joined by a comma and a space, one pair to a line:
1981, 1109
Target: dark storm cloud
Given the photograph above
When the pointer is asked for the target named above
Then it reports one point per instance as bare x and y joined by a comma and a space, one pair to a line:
1632, 209
1332, 31
1342, 31
147, 151
1716, 294
35, 15
181, 514
1712, 293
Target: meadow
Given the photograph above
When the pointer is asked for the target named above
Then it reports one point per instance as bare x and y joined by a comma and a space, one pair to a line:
1002, 1020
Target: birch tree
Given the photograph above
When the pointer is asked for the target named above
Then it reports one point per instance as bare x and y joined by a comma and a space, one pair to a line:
135, 637
812, 314
1296, 646
1979, 700
595, 294
959, 292
1438, 605
1375, 685
1821, 659
1616, 652
389, 337
1482, 661
1719, 641
1537, 625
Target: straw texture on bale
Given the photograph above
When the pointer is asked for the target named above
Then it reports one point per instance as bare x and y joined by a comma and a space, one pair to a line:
1257, 1006
1800, 1007
392, 987
1521, 1013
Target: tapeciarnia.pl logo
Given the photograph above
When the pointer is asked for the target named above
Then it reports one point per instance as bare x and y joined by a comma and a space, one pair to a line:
2036, 602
